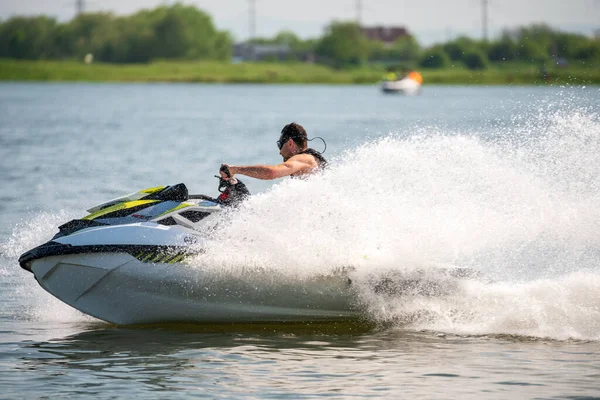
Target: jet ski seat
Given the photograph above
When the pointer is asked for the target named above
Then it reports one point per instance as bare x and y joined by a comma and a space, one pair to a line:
178, 192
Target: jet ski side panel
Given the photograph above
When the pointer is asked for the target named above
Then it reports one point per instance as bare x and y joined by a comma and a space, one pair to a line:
133, 239
69, 277
143, 233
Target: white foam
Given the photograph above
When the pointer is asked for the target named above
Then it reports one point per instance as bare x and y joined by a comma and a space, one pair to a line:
34, 303
522, 208
31, 232
560, 308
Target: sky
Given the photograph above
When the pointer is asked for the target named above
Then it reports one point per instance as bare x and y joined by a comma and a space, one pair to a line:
429, 20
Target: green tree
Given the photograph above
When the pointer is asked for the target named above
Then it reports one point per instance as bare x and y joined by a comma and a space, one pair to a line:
27, 38
459, 47
183, 32
343, 45
129, 42
539, 35
284, 37
85, 34
435, 57
569, 45
529, 50
589, 51
287, 37
405, 48
503, 50
476, 59
537, 43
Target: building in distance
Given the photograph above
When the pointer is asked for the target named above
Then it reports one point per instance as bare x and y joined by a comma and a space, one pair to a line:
385, 34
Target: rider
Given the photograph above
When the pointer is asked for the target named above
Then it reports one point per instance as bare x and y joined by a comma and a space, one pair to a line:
298, 159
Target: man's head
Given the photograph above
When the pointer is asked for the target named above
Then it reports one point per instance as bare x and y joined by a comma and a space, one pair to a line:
293, 139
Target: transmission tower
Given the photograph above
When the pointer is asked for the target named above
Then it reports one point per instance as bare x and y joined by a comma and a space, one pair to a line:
484, 19
358, 12
79, 7
252, 18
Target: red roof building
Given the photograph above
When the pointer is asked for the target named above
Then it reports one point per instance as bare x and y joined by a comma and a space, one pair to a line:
385, 34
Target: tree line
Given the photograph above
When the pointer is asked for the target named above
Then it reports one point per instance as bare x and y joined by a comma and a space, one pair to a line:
175, 32
187, 33
537, 44
343, 44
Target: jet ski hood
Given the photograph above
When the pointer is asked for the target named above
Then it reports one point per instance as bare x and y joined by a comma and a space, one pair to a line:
158, 221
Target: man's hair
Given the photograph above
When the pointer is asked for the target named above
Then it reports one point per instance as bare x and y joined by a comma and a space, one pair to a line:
295, 132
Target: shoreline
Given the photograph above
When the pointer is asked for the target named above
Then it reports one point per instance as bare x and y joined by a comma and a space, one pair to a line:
277, 73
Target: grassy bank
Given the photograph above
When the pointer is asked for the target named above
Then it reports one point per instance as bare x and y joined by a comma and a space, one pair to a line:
181, 71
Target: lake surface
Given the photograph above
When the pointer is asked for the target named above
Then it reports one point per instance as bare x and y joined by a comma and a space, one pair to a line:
503, 180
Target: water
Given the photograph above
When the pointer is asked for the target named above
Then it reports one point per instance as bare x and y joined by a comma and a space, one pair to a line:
504, 180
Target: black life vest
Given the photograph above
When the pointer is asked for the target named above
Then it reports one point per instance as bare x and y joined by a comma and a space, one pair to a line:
318, 157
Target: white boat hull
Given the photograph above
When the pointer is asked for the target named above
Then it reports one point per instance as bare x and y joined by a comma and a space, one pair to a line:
120, 289
405, 86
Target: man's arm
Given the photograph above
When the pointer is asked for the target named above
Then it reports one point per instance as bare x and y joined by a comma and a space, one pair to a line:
267, 172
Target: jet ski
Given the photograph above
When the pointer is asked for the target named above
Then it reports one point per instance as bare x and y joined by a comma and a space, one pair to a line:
408, 85
127, 262
134, 260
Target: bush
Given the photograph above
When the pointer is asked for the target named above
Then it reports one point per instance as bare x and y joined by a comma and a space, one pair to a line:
476, 60
503, 50
458, 48
435, 58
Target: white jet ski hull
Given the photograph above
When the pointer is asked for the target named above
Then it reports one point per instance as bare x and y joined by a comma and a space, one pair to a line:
120, 289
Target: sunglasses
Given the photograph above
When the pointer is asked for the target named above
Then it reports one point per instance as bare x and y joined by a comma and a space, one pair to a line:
281, 142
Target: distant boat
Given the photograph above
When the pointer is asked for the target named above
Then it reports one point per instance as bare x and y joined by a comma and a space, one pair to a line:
409, 85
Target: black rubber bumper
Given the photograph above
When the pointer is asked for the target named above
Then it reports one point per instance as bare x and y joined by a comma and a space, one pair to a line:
52, 248
46, 250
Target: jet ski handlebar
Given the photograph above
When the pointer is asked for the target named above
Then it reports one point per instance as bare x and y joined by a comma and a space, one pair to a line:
233, 191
